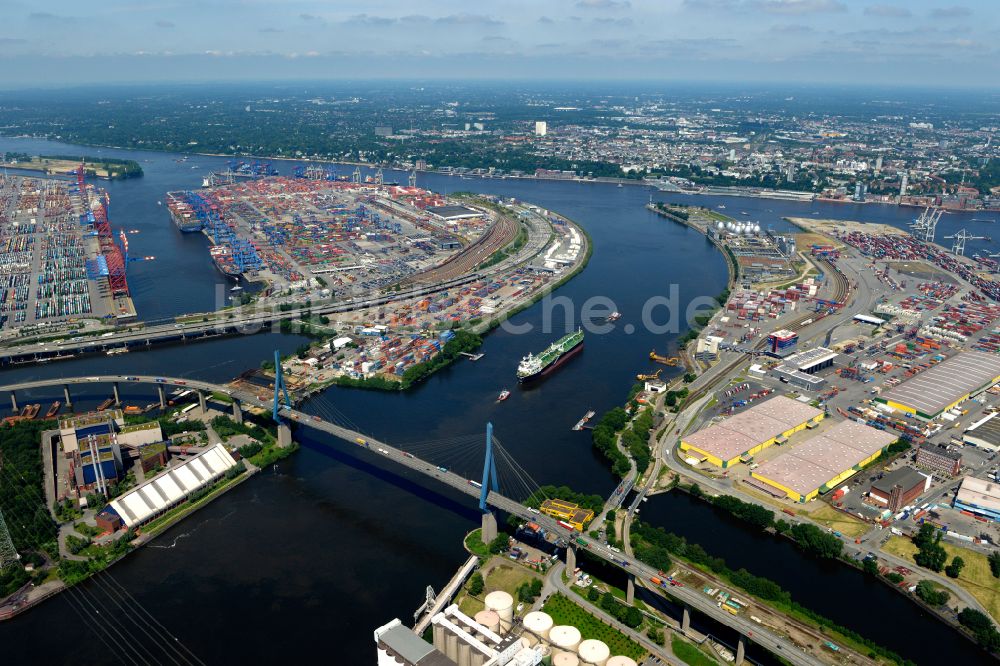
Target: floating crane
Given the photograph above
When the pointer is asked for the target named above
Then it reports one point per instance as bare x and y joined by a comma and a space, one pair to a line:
645, 378
960, 237
665, 360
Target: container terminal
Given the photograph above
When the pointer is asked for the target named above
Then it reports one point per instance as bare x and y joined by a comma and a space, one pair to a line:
60, 260
300, 234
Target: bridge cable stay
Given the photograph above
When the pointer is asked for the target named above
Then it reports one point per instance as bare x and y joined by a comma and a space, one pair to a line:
279, 387
523, 479
334, 415
86, 603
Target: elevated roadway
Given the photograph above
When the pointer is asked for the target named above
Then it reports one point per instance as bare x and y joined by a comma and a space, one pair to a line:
570, 539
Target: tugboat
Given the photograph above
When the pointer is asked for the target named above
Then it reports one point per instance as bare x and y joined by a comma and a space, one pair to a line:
614, 316
504, 394
556, 354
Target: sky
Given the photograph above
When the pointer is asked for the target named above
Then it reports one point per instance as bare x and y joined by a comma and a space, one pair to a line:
894, 42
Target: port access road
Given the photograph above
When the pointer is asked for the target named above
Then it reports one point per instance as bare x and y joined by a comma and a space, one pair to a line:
568, 538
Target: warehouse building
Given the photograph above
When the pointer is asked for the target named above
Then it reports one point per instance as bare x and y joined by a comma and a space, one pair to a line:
980, 497
939, 459
898, 488
453, 213
822, 462
949, 383
812, 361
795, 377
172, 487
749, 432
984, 433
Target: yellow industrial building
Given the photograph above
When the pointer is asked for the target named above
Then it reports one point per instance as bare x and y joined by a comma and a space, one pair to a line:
930, 393
747, 433
567, 512
822, 462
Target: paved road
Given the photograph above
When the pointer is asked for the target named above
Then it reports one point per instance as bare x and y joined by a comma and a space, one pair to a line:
694, 599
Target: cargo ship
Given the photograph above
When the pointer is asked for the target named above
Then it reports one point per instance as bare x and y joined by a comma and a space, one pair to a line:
182, 214
222, 257
532, 367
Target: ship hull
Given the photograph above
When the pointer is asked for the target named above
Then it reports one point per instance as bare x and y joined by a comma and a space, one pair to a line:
553, 366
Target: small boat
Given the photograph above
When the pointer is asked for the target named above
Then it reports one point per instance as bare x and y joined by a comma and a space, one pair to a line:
53, 410
721, 206
236, 288
743, 212
620, 185
504, 394
614, 316
159, 203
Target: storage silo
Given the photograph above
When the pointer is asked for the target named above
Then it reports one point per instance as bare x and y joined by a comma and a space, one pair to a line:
464, 654
619, 660
538, 623
594, 652
489, 619
503, 604
564, 638
565, 659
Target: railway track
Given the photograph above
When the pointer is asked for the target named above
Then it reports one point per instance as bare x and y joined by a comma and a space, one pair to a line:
501, 232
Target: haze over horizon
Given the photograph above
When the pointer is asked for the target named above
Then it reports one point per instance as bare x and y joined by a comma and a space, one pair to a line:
887, 42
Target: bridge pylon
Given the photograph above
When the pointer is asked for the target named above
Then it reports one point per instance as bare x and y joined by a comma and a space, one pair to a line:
489, 471
279, 389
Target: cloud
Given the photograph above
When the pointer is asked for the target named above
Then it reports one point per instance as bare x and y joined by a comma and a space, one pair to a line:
800, 6
497, 38
270, 30
790, 29
951, 12
603, 4
311, 18
888, 11
366, 19
621, 22
165, 24
11, 41
546, 20
469, 19
49, 17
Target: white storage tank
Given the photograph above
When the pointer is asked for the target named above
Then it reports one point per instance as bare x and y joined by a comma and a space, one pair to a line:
489, 619
619, 660
538, 623
593, 652
503, 605
565, 659
564, 637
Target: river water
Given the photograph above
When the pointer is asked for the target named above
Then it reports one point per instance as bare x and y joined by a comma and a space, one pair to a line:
308, 557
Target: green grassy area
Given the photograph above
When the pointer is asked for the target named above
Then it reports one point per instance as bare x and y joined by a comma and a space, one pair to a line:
689, 653
474, 544
847, 525
564, 611
974, 577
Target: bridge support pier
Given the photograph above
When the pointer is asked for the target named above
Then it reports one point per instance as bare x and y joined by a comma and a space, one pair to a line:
741, 646
489, 527
630, 590
69, 401
570, 560
284, 435
163, 397
202, 402
686, 621
114, 389
237, 411
13, 402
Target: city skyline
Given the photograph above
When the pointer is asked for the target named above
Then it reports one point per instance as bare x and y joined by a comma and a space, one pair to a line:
793, 41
